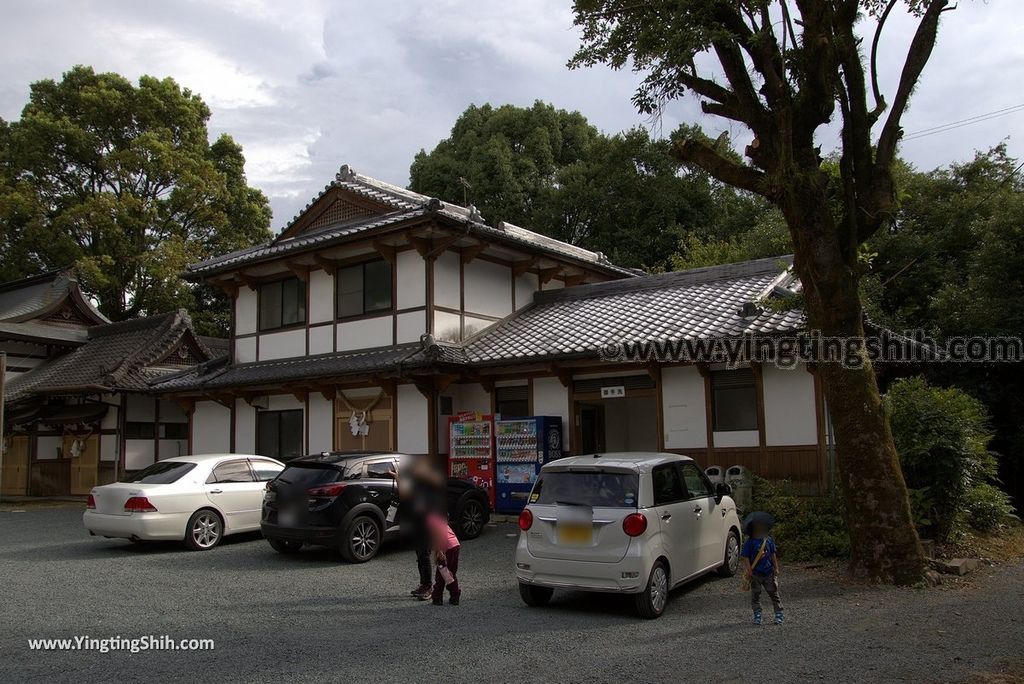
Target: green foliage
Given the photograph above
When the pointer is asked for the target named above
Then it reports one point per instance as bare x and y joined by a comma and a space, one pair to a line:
769, 236
551, 171
986, 507
942, 438
122, 182
806, 527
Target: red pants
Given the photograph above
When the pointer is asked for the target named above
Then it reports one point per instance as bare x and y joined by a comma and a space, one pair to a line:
451, 561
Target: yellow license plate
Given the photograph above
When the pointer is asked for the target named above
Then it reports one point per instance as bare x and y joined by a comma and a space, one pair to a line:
575, 533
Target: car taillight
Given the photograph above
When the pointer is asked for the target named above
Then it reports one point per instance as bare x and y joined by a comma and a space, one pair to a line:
139, 504
90, 503
525, 519
330, 490
634, 524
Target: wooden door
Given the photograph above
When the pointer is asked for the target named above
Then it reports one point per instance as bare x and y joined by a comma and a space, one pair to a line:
84, 454
15, 470
378, 421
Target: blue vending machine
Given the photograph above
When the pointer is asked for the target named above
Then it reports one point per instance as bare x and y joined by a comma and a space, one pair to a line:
522, 446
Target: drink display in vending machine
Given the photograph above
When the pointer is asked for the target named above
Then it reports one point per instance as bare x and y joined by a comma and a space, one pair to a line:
522, 446
471, 450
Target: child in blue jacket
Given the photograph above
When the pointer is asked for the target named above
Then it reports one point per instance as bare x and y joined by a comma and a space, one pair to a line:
761, 568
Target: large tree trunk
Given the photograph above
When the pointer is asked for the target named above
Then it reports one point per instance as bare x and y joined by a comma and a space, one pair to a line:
884, 543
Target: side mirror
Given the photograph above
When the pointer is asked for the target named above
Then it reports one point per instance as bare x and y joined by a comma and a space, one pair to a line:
722, 489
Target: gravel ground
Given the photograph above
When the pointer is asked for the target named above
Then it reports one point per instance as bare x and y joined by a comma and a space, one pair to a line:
313, 618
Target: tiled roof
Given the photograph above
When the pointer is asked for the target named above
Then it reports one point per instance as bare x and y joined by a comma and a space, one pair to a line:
115, 357
695, 304
407, 205
24, 299
569, 322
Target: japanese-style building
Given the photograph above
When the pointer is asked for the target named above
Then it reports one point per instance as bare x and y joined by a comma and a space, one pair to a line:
401, 310
79, 409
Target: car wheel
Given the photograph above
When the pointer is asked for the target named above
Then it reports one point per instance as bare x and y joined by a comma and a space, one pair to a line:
286, 546
362, 539
651, 602
731, 562
204, 530
470, 519
535, 596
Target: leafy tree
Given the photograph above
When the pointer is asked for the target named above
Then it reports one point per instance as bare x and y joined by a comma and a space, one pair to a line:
122, 182
942, 437
550, 170
784, 72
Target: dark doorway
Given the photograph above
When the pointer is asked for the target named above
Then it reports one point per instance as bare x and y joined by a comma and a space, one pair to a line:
591, 421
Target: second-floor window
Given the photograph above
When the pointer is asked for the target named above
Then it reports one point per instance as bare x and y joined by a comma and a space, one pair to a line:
364, 288
734, 400
282, 304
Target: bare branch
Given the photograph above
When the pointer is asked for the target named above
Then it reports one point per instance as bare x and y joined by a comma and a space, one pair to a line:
879, 99
705, 156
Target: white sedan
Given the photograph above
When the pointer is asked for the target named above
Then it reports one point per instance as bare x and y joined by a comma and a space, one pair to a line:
195, 499
630, 523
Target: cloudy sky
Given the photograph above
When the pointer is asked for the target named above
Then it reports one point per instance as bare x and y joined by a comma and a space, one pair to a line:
306, 85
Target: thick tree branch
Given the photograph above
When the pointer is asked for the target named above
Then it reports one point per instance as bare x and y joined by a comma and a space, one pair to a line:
879, 98
705, 156
917, 56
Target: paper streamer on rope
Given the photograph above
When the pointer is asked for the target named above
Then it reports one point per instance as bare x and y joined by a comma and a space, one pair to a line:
359, 421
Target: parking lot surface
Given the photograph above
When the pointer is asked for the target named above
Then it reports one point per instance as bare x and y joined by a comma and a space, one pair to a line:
313, 618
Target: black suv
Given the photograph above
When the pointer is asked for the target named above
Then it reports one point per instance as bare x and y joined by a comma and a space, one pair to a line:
341, 499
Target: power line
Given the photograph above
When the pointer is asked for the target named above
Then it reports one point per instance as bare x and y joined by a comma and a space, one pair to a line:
964, 122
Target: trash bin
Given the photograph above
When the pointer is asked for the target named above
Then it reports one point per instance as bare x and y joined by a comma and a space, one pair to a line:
739, 478
715, 474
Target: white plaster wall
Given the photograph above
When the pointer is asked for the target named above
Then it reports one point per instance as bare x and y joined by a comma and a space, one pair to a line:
447, 326
738, 438
108, 447
410, 326
321, 297
470, 397
526, 285
411, 280
321, 420
682, 394
413, 421
169, 448
109, 421
488, 288
321, 339
138, 453
245, 349
367, 333
789, 416
245, 311
47, 447
552, 284
550, 398
245, 428
170, 412
283, 402
211, 425
281, 345
471, 326
446, 280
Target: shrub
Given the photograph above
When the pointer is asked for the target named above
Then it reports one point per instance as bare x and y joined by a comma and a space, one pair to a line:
806, 528
986, 507
942, 439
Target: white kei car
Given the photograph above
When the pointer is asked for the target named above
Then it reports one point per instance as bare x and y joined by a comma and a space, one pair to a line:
195, 499
631, 523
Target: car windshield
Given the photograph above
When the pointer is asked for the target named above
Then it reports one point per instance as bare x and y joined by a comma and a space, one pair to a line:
163, 472
596, 489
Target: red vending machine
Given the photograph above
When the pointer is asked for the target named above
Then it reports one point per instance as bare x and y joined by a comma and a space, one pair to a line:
471, 450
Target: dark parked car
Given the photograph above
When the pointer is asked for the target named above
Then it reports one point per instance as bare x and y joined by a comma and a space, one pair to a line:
341, 500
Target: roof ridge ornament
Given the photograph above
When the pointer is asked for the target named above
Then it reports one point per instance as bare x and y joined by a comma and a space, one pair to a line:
474, 214
433, 204
346, 174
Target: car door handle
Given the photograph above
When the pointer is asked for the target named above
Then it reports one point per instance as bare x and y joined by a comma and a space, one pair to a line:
697, 510
216, 491
666, 516
373, 493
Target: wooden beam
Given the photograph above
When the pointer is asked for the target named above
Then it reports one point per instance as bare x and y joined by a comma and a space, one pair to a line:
473, 251
422, 245
425, 385
186, 404
564, 376
300, 271
386, 251
759, 393
546, 274
441, 382
229, 287
328, 265
328, 392
389, 385
576, 279
521, 267
653, 372
250, 282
